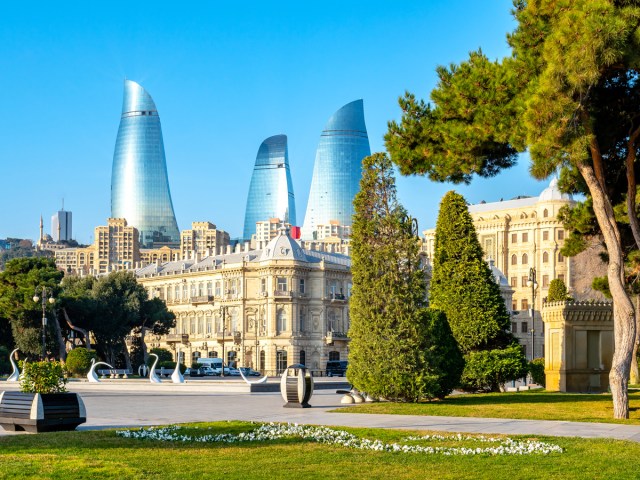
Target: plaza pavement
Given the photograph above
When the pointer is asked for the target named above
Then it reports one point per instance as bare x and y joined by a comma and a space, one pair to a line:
130, 403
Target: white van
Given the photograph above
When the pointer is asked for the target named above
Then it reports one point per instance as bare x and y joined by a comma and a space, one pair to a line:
214, 363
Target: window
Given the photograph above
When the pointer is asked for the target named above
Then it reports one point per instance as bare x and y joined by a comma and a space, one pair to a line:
560, 258
545, 235
193, 290
263, 285
218, 290
184, 291
514, 327
545, 257
334, 356
210, 288
303, 319
281, 284
262, 360
514, 238
514, 282
200, 289
560, 234
525, 259
209, 322
281, 321
524, 327
281, 361
545, 213
194, 357
193, 326
514, 305
303, 357
514, 259
525, 237
524, 279
545, 280
524, 303
301, 286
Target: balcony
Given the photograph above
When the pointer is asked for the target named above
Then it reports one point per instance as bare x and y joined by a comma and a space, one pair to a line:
336, 297
282, 293
335, 337
177, 338
201, 299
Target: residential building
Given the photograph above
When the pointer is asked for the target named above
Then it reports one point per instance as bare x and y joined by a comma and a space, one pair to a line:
271, 189
337, 169
203, 238
263, 308
139, 182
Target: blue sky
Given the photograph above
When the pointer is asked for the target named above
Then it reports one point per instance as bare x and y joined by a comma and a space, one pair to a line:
224, 77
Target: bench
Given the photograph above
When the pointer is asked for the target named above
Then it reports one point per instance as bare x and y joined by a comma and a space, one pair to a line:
34, 412
114, 373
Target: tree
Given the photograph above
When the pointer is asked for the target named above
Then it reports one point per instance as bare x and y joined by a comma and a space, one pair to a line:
389, 352
79, 361
78, 306
569, 93
18, 284
463, 287
557, 291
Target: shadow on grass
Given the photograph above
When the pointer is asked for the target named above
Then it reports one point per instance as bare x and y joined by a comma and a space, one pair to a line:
527, 398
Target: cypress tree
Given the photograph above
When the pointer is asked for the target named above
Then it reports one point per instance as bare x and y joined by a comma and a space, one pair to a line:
389, 352
463, 287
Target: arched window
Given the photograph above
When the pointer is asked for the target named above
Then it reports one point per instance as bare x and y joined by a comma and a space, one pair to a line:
545, 213
525, 259
514, 260
545, 257
262, 360
560, 257
303, 357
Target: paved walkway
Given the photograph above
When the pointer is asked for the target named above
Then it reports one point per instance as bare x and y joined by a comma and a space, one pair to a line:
111, 405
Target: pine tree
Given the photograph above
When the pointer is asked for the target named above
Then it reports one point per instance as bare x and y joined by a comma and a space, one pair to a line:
390, 355
557, 291
463, 287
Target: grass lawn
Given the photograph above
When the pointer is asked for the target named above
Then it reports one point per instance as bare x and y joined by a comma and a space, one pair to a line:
101, 454
534, 404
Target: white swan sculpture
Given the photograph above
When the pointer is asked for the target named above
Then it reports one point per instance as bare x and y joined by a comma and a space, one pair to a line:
91, 376
15, 375
153, 376
255, 382
176, 376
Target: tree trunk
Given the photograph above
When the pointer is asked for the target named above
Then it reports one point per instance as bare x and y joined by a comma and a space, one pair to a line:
62, 348
84, 333
634, 374
624, 321
127, 357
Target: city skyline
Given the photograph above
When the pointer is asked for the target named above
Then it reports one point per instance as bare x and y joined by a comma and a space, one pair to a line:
225, 78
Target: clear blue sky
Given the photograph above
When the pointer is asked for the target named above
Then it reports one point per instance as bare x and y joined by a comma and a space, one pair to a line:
224, 76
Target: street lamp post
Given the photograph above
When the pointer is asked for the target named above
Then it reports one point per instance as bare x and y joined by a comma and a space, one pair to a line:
46, 295
224, 326
533, 284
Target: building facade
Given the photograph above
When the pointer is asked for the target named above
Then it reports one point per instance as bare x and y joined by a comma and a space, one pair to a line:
203, 238
523, 234
271, 189
61, 225
337, 170
139, 181
266, 308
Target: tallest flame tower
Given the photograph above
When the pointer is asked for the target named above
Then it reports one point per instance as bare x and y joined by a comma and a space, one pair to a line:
139, 182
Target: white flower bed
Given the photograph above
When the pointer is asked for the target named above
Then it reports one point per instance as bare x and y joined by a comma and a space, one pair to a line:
329, 436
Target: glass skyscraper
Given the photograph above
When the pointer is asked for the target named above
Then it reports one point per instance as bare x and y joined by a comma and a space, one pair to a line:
139, 183
337, 169
271, 189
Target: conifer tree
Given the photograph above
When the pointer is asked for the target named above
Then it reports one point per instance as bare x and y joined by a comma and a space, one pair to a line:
390, 355
557, 291
463, 287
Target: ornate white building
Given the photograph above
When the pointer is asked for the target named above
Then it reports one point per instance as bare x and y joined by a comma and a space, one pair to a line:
265, 309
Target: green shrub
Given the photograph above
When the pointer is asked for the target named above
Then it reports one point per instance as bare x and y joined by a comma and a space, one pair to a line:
170, 366
163, 354
557, 291
487, 370
79, 361
43, 377
536, 370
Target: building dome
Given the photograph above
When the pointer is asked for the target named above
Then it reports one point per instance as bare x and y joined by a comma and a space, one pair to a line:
498, 276
283, 247
552, 192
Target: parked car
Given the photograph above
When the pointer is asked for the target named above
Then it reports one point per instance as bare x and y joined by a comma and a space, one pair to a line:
218, 371
336, 368
249, 372
234, 372
208, 371
194, 372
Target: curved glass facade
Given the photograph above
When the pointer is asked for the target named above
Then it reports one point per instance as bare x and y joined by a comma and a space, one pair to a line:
271, 189
337, 169
139, 182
